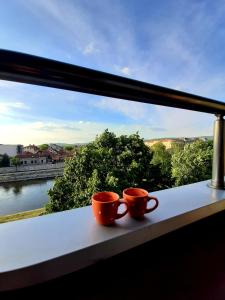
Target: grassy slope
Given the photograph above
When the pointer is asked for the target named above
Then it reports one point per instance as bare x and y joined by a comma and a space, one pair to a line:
22, 215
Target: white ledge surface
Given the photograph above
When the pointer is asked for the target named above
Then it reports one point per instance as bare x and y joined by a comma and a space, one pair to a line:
42, 248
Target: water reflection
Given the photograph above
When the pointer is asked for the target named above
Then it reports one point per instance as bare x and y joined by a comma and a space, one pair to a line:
17, 190
17, 187
24, 195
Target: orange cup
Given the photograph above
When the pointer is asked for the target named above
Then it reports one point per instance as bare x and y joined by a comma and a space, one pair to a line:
105, 207
137, 200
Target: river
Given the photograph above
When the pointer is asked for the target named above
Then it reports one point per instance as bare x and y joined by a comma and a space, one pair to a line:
24, 195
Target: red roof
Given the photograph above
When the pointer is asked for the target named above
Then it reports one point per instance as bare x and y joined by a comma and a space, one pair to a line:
44, 152
27, 154
56, 157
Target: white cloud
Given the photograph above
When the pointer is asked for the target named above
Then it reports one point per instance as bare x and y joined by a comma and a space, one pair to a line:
53, 126
19, 105
76, 132
69, 21
181, 123
160, 121
90, 48
125, 71
174, 50
173, 53
81, 29
130, 109
3, 108
43, 132
10, 107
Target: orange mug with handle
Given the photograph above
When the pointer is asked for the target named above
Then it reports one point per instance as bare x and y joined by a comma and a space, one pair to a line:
105, 207
137, 200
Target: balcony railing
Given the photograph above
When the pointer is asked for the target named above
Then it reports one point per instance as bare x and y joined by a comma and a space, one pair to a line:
31, 69
43, 248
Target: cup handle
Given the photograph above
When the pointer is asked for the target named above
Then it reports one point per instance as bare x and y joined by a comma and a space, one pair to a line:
121, 201
155, 206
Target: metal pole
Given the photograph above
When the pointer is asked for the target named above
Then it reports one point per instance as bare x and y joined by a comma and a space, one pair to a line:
218, 154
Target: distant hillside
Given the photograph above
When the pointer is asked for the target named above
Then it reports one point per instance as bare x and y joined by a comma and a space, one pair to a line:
207, 137
168, 142
66, 144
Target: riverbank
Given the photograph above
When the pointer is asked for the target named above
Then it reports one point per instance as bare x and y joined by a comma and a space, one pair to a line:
22, 215
35, 172
31, 175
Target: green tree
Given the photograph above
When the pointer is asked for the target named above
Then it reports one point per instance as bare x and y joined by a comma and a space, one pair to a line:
193, 164
176, 147
162, 159
5, 161
15, 161
68, 147
109, 163
43, 147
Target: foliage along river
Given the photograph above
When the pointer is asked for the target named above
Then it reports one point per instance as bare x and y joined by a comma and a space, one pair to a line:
24, 195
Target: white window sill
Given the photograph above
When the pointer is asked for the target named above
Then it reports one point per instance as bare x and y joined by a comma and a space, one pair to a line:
42, 248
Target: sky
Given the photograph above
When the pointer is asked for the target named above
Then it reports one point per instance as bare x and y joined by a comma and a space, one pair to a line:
177, 44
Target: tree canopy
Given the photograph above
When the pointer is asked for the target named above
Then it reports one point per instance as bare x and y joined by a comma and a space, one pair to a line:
162, 159
109, 163
68, 147
176, 147
113, 163
43, 147
193, 164
4, 160
15, 161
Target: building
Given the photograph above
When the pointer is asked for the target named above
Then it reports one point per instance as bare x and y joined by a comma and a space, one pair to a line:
61, 156
28, 158
31, 148
206, 138
51, 150
55, 147
11, 150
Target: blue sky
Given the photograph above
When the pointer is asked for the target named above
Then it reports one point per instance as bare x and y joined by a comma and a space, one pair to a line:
176, 44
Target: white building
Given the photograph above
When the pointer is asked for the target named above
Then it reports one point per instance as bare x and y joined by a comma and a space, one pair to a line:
27, 158
11, 150
31, 148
